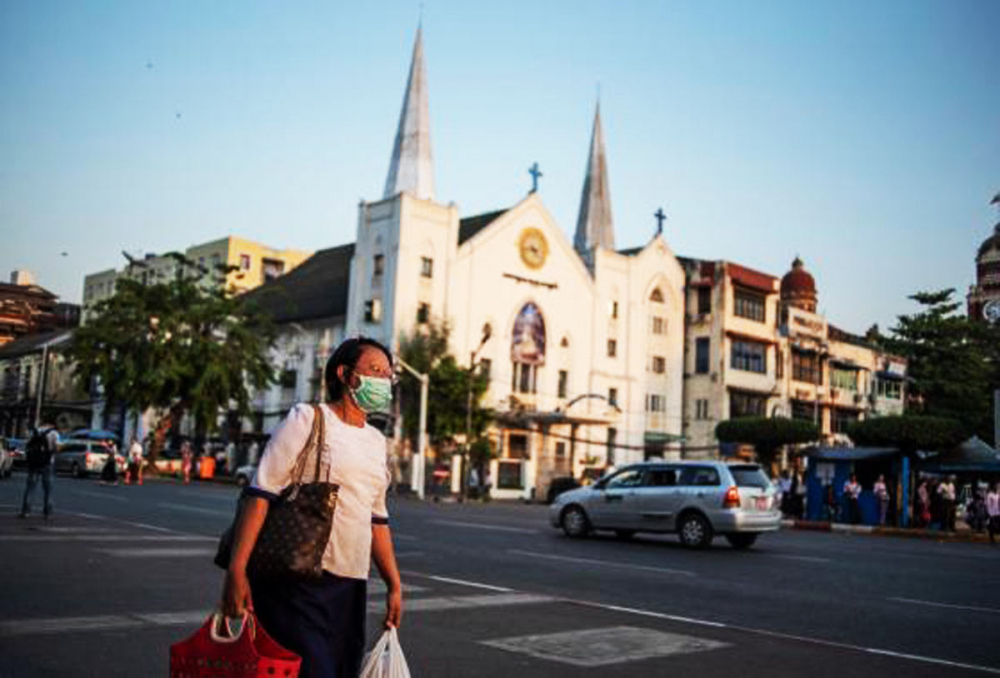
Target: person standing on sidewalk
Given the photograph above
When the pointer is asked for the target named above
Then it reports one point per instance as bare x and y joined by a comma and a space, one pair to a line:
923, 513
946, 490
38, 453
882, 497
852, 490
993, 511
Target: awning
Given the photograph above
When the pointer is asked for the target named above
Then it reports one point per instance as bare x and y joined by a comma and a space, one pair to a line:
846, 364
851, 453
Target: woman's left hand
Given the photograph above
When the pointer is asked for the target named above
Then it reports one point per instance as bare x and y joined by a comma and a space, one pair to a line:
393, 609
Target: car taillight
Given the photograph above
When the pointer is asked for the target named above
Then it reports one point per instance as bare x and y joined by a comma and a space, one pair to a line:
732, 499
87, 457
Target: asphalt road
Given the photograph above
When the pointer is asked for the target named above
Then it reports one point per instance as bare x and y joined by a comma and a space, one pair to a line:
492, 590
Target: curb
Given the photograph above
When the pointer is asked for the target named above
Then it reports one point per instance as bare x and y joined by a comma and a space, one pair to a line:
871, 530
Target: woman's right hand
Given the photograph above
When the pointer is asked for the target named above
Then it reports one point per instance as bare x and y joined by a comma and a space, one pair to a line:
236, 594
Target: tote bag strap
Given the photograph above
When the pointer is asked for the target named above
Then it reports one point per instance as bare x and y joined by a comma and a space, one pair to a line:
313, 442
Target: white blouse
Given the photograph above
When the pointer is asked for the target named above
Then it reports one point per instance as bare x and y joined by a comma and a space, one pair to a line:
354, 458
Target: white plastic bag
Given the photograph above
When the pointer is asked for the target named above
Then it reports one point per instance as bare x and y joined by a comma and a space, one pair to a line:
386, 659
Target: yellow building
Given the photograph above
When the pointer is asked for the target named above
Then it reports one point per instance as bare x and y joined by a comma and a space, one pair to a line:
253, 264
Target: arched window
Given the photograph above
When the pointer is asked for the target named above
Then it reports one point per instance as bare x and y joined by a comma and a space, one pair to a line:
656, 295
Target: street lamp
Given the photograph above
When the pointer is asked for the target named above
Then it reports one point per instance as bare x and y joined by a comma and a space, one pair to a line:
417, 470
487, 332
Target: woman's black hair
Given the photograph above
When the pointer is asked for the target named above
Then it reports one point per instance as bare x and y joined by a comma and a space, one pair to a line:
348, 354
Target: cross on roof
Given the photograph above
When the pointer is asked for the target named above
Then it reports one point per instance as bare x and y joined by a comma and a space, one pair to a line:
535, 173
660, 218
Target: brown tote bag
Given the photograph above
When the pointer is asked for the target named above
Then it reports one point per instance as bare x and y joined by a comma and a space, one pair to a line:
293, 538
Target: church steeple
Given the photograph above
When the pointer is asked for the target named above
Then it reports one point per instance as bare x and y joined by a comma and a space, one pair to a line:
594, 226
410, 168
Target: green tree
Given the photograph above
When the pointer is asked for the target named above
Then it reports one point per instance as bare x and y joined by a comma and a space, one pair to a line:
954, 362
767, 435
177, 347
908, 432
426, 350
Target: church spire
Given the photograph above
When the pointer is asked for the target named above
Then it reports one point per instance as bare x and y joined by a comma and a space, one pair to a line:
594, 226
410, 168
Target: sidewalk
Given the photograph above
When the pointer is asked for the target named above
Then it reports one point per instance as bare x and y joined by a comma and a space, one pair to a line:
913, 533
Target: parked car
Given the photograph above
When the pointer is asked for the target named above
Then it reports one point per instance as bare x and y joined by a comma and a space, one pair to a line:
81, 457
169, 460
697, 500
6, 460
15, 447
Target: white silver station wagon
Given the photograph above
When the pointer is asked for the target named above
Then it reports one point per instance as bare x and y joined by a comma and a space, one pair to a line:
698, 500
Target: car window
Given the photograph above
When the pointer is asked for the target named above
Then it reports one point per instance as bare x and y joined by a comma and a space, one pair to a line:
74, 448
749, 476
660, 477
700, 476
630, 477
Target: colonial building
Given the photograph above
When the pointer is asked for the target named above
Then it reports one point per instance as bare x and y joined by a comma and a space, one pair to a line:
37, 382
253, 264
984, 295
757, 347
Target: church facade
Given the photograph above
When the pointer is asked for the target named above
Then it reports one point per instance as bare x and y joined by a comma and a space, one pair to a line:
583, 344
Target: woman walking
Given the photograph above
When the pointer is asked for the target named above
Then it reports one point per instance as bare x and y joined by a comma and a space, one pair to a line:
323, 620
187, 460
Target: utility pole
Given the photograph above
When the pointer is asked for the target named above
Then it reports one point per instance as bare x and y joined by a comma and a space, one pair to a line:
40, 395
417, 467
467, 462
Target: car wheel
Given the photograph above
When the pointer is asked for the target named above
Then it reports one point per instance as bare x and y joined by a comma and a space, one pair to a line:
575, 523
624, 534
242, 481
695, 531
741, 541
77, 471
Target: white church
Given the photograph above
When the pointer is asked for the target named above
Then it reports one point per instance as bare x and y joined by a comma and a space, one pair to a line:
584, 344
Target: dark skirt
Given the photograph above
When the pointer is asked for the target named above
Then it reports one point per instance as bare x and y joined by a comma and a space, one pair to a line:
321, 621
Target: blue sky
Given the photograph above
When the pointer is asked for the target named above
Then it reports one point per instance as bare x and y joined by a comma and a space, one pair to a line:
862, 136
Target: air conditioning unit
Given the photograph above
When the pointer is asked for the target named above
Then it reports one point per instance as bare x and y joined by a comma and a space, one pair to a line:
373, 311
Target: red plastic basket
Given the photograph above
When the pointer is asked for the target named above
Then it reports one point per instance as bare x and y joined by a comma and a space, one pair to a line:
250, 653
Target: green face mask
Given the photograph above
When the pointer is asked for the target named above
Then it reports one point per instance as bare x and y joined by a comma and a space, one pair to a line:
374, 394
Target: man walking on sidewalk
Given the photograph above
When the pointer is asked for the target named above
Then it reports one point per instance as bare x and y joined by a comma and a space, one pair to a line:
993, 511
946, 490
38, 453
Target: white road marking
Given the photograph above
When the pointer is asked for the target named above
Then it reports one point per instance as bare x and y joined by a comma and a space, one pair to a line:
789, 636
99, 495
467, 602
160, 553
195, 509
618, 644
27, 627
807, 559
377, 586
475, 585
481, 526
230, 498
103, 537
603, 563
973, 608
